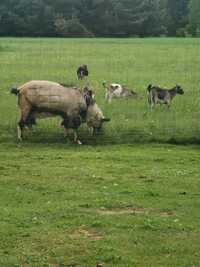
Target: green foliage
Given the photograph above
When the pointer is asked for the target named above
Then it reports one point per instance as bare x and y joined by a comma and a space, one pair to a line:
123, 18
71, 28
177, 12
194, 17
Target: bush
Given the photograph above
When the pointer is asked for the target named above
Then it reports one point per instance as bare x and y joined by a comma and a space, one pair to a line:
71, 28
181, 32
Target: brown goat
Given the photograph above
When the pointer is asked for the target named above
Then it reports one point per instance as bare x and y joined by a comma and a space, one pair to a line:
41, 99
38, 99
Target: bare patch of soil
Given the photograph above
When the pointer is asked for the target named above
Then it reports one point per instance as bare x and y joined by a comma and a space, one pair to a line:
122, 211
135, 211
85, 233
167, 214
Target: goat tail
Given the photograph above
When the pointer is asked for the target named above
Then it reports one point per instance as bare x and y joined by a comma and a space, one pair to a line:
149, 88
133, 93
14, 90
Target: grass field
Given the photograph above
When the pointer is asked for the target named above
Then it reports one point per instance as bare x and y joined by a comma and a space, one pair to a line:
127, 197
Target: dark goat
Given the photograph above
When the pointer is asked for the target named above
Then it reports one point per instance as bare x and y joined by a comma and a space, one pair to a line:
82, 71
159, 95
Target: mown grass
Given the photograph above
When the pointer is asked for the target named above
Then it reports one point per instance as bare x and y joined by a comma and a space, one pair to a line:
120, 205
121, 199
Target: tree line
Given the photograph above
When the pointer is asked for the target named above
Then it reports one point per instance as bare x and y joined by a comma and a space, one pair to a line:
106, 18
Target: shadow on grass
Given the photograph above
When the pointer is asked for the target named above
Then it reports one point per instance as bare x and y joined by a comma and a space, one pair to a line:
125, 136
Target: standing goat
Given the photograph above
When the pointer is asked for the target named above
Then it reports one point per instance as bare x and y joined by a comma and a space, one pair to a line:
41, 99
82, 71
157, 95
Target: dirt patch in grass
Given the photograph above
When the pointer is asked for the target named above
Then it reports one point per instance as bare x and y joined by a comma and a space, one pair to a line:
167, 214
135, 211
122, 211
85, 233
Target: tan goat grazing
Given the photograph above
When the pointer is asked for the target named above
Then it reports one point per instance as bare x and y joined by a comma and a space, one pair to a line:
95, 118
41, 99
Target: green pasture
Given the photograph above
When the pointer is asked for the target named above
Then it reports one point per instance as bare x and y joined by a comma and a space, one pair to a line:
133, 62
128, 197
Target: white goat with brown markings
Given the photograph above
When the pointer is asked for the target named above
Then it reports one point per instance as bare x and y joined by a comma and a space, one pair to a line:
115, 90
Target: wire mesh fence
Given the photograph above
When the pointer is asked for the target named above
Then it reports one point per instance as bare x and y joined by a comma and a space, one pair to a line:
135, 63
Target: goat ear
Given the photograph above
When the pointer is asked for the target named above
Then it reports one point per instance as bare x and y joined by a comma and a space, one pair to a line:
149, 87
90, 93
104, 83
106, 120
88, 100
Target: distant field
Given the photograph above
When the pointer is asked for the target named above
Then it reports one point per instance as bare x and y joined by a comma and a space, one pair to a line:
128, 197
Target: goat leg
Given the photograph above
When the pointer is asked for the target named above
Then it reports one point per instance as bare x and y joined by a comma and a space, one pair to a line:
19, 133
91, 131
76, 140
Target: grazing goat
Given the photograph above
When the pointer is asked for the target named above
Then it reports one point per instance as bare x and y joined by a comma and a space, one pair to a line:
95, 118
41, 99
82, 71
159, 95
117, 91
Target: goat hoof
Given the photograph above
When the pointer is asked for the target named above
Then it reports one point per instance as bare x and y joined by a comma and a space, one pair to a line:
79, 142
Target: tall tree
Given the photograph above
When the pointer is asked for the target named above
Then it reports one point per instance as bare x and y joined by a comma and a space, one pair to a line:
100, 17
177, 11
194, 17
